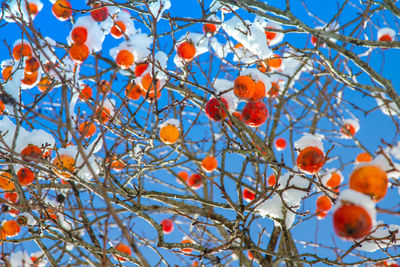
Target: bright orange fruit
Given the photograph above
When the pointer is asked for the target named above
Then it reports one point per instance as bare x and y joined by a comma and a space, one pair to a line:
209, 164
124, 59
79, 52
352, 222
369, 180
186, 50
6, 182
310, 160
62, 10
324, 203
244, 87
124, 249
169, 134
64, 165
79, 35
25, 176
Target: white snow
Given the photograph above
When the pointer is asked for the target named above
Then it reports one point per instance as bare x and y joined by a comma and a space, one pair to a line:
158, 7
383, 237
386, 31
95, 36
308, 140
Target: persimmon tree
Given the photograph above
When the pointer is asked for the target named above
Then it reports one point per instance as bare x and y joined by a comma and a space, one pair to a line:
219, 133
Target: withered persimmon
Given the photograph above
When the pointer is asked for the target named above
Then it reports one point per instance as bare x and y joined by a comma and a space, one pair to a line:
169, 134
248, 195
79, 35
118, 29
310, 160
124, 249
11, 228
22, 50
87, 129
25, 176
244, 87
370, 180
352, 221
6, 182
86, 93
64, 165
363, 157
124, 59
195, 181
6, 72
209, 164
259, 92
31, 65
167, 226
214, 109
141, 68
99, 13
272, 180
280, 143
31, 153
78, 52
209, 28
186, 50
255, 114
62, 10
324, 203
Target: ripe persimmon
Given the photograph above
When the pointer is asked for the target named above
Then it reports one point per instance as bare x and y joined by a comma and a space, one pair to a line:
321, 214
169, 134
64, 165
6, 72
272, 180
31, 152
386, 38
195, 181
6, 182
244, 87
11, 196
185, 241
25, 176
124, 249
78, 52
209, 28
259, 92
31, 65
103, 114
87, 129
62, 10
2, 107
334, 181
124, 59
248, 195
44, 84
275, 62
33, 9
11, 228
310, 160
99, 13
255, 114
86, 93
270, 35
148, 86
22, 50
118, 29
103, 87
30, 78
352, 221
324, 203
186, 50
370, 180
116, 164
167, 226
209, 164
140, 68
363, 157
79, 35
348, 130
280, 143
183, 175
274, 91
214, 109
133, 91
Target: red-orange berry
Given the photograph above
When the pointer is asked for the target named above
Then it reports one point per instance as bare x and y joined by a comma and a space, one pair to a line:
324, 203
352, 222
369, 180
310, 160
244, 87
209, 164
25, 176
79, 34
186, 50
99, 14
62, 10
79, 52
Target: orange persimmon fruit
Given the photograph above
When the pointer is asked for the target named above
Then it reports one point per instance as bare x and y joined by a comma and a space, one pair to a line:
78, 52
352, 221
62, 10
25, 176
6, 182
124, 59
87, 129
363, 157
22, 50
324, 203
310, 160
186, 50
79, 35
64, 165
209, 164
244, 87
370, 180
169, 134
124, 249
11, 228
133, 91
118, 29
